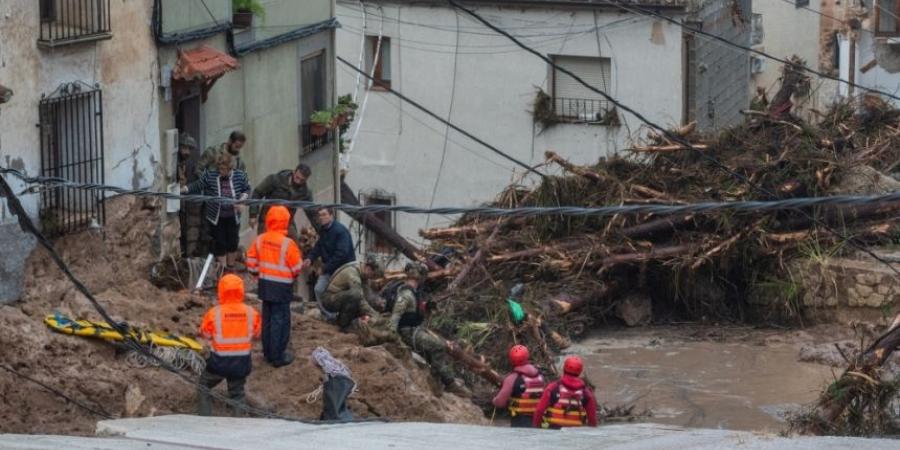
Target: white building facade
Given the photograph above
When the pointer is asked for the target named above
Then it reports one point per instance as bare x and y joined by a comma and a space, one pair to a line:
483, 83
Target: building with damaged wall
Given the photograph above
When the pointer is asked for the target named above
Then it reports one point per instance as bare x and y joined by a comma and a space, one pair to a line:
488, 86
870, 47
775, 28
85, 108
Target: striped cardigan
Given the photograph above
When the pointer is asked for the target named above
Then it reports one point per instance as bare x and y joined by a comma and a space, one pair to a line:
210, 184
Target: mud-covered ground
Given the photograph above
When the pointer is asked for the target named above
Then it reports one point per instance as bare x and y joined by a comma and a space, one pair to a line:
115, 264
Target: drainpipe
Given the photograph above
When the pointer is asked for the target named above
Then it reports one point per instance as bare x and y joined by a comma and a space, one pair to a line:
852, 58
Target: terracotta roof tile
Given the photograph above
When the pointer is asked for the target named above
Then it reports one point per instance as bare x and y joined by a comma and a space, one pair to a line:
203, 62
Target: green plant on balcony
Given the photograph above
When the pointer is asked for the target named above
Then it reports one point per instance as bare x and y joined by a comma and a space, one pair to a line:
338, 116
244, 10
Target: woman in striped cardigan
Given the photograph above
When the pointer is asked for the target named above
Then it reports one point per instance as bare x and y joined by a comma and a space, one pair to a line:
224, 220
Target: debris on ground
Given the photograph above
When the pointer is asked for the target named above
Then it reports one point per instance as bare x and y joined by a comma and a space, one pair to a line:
116, 264
581, 272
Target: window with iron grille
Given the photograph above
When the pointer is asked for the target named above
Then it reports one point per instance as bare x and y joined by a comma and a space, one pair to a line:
71, 21
571, 99
313, 97
375, 243
71, 133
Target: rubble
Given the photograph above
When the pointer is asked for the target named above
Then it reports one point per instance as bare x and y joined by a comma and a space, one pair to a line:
116, 265
710, 267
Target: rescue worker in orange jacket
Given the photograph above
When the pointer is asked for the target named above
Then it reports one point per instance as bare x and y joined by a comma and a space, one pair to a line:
230, 327
276, 260
521, 389
568, 402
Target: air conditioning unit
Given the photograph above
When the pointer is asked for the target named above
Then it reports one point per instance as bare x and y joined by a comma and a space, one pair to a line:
757, 65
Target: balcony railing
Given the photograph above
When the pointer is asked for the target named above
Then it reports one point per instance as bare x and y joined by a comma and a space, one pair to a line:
71, 21
580, 109
310, 142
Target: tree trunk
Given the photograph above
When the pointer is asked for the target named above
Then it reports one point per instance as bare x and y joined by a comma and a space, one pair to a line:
372, 223
577, 170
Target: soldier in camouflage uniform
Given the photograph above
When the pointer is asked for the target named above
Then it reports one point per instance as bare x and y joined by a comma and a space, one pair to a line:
345, 297
407, 316
285, 185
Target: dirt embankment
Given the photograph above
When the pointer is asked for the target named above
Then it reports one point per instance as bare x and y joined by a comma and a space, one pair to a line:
115, 264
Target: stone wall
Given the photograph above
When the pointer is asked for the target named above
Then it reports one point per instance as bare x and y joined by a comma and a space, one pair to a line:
845, 282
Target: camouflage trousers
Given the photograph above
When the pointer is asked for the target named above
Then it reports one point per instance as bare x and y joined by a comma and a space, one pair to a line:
432, 348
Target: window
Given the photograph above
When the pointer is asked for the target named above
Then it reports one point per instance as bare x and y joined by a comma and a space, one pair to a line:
886, 17
571, 99
71, 133
756, 29
71, 21
381, 63
313, 94
375, 243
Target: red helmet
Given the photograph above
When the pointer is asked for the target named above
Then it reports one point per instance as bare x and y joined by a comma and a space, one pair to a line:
518, 355
573, 365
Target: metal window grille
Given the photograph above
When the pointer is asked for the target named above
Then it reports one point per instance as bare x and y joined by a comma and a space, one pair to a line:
71, 21
71, 131
374, 243
571, 99
312, 142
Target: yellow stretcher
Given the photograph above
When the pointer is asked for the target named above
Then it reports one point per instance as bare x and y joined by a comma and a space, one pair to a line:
102, 330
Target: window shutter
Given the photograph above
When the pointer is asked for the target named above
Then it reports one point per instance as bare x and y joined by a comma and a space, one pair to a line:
594, 71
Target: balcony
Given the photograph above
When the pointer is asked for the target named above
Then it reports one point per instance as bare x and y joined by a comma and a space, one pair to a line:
310, 142
582, 110
66, 22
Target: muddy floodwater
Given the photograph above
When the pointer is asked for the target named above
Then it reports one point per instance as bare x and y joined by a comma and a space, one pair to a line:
707, 378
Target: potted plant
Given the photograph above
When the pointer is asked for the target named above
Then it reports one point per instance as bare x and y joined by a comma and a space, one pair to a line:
320, 122
243, 12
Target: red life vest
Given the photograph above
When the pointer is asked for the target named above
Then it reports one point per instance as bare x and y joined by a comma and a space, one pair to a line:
525, 394
568, 409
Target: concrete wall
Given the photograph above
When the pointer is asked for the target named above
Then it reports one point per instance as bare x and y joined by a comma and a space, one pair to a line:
183, 15
486, 85
284, 15
781, 22
721, 73
124, 67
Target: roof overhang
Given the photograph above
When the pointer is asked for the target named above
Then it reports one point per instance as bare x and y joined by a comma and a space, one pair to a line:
202, 66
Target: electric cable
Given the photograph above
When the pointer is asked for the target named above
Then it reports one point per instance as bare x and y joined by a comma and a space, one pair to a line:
648, 12
98, 411
442, 120
745, 206
27, 226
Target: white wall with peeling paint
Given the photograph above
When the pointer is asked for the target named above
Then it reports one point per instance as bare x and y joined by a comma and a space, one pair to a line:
126, 71
487, 88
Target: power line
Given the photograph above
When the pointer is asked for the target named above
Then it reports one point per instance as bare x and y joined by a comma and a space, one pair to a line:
747, 206
648, 12
665, 132
98, 411
477, 154
441, 119
26, 224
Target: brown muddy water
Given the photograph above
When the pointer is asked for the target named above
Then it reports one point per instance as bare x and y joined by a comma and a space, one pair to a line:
737, 379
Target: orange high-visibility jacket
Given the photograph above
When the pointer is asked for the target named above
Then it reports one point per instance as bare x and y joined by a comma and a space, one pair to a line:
231, 325
273, 256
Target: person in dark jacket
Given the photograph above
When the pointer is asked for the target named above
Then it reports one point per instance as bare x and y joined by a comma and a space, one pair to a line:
194, 241
224, 219
334, 247
285, 185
